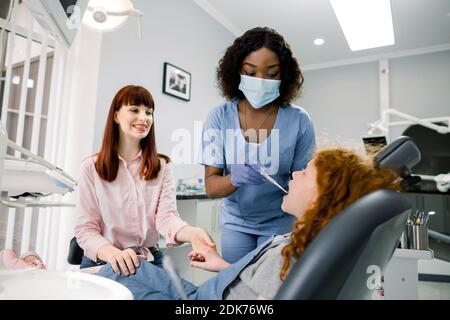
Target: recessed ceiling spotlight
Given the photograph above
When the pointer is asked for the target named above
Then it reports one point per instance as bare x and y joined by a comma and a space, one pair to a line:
319, 42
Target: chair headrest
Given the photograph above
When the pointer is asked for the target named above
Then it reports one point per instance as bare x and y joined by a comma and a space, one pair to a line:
401, 155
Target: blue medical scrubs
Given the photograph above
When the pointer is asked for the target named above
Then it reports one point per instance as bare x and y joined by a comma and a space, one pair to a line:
252, 214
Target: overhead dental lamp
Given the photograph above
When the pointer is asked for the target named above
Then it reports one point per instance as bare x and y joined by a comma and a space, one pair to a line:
110, 15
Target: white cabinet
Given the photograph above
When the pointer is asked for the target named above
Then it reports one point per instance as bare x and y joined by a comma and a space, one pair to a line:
202, 213
401, 275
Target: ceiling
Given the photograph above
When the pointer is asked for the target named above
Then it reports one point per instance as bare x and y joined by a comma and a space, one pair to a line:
419, 26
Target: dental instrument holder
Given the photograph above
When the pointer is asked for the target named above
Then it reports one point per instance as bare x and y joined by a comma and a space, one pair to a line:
401, 156
417, 237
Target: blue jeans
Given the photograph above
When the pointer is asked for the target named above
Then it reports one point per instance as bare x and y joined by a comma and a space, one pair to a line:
153, 283
236, 244
87, 263
149, 283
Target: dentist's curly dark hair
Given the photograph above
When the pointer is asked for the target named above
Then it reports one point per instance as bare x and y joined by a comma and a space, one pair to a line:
228, 71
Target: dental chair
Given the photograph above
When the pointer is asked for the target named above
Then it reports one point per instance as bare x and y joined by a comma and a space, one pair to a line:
355, 247
75, 252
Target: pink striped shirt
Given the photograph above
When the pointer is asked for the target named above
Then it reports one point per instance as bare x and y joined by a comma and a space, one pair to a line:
127, 212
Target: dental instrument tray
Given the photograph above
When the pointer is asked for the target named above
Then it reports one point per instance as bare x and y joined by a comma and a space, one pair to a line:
29, 177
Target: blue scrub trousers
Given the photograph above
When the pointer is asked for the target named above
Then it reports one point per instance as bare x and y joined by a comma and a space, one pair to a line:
236, 244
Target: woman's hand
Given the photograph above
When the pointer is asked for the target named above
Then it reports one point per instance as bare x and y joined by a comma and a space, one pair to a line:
125, 261
202, 240
207, 259
198, 237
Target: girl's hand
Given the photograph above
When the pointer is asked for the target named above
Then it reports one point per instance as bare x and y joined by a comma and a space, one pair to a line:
207, 259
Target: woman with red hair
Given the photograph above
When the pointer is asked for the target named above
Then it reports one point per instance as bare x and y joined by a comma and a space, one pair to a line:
127, 193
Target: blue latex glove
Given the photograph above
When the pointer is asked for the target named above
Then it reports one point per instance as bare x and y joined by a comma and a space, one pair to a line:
242, 174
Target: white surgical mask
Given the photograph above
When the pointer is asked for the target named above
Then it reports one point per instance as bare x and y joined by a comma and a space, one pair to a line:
259, 91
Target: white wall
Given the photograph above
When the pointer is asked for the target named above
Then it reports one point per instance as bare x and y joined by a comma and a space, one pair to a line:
343, 100
420, 85
174, 31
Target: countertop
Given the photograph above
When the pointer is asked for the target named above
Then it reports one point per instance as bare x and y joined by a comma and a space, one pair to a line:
191, 195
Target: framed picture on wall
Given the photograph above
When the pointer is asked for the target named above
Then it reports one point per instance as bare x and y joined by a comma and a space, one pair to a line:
176, 82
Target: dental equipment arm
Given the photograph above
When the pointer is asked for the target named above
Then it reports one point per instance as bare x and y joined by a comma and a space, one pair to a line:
442, 181
383, 123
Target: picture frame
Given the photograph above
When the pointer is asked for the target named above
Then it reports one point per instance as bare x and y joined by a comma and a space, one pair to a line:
177, 82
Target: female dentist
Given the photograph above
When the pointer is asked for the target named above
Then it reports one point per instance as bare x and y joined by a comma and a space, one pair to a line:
256, 128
